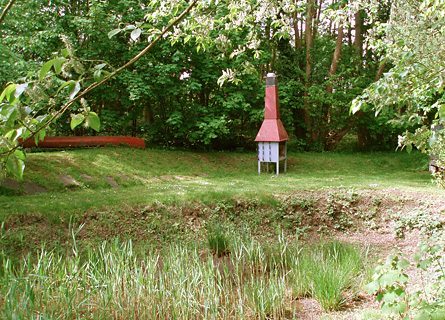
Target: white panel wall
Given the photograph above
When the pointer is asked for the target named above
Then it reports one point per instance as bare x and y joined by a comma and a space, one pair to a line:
268, 151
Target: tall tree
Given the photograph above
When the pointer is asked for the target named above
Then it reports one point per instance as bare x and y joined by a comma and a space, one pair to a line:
413, 40
310, 11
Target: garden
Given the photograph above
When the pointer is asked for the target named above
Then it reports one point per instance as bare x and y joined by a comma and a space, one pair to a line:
181, 225
202, 235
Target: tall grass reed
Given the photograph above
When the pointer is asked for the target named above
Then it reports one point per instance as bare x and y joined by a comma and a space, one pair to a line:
111, 281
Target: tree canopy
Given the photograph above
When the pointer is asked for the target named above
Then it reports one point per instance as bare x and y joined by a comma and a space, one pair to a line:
412, 40
189, 73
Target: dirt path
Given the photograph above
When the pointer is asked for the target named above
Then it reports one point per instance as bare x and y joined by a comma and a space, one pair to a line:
406, 213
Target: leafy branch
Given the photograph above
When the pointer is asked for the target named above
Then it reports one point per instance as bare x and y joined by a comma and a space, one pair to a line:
5, 11
17, 166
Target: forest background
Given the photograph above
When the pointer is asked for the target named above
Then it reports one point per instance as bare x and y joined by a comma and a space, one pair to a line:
201, 86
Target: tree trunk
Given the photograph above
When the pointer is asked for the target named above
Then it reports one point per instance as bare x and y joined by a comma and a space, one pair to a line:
148, 113
334, 139
333, 72
134, 127
380, 71
298, 43
316, 17
308, 38
363, 137
358, 43
349, 35
337, 54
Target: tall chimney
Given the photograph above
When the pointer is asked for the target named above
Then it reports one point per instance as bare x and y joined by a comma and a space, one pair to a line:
272, 136
272, 129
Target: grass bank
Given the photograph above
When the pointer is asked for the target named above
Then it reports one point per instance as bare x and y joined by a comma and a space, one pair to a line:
254, 245
165, 195
148, 176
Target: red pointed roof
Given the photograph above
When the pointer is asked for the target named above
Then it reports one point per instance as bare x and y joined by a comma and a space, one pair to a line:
272, 128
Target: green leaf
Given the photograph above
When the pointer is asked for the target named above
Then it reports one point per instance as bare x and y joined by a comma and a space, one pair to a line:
423, 315
135, 34
409, 148
98, 76
20, 89
39, 136
73, 89
76, 120
379, 297
438, 315
10, 135
113, 33
65, 53
4, 110
442, 111
100, 66
399, 308
417, 257
381, 89
175, 10
436, 248
403, 264
94, 121
400, 292
58, 65
389, 278
425, 264
356, 106
424, 248
64, 85
8, 92
11, 117
15, 134
373, 287
390, 297
46, 67
16, 166
19, 154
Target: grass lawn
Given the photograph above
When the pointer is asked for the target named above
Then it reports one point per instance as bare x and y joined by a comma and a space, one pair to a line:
174, 177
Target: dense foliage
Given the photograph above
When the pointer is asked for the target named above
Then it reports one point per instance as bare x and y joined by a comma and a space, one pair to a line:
411, 93
200, 84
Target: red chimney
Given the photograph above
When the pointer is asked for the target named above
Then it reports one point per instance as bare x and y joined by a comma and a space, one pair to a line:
272, 129
272, 136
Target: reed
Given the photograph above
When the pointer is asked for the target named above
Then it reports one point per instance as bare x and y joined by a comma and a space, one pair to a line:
183, 281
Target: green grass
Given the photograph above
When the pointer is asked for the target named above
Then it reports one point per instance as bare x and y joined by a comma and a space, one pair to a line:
331, 271
148, 176
218, 240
